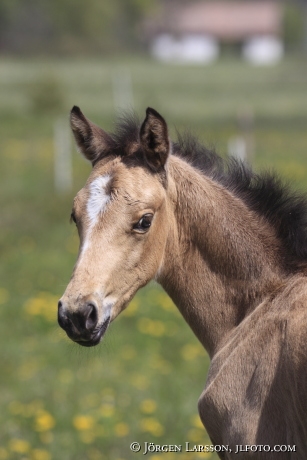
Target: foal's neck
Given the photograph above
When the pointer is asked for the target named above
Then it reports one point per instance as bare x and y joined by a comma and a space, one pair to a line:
220, 259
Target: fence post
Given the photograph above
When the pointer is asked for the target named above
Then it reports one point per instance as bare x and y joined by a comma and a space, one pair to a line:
122, 90
62, 156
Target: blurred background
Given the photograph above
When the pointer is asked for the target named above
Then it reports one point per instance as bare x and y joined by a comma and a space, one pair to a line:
235, 74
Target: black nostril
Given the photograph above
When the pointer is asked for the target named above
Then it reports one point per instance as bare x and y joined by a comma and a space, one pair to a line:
78, 323
62, 319
91, 316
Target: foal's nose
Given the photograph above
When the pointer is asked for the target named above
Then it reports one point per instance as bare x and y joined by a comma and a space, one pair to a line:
81, 323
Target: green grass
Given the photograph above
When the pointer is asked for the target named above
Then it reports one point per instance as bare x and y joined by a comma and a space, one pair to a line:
58, 401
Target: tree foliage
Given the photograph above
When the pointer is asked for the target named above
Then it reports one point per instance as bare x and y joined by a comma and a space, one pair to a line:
66, 26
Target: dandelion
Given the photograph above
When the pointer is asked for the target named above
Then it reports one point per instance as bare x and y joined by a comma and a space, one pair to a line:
152, 426
65, 376
108, 392
19, 446
132, 307
203, 455
148, 406
196, 435
139, 381
91, 400
95, 454
195, 420
106, 410
44, 304
40, 454
151, 327
28, 369
166, 302
191, 351
83, 422
44, 421
166, 456
121, 429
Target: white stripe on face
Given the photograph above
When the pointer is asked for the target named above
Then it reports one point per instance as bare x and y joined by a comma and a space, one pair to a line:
96, 204
98, 198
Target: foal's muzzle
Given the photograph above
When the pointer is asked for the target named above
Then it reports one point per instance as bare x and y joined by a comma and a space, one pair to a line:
81, 326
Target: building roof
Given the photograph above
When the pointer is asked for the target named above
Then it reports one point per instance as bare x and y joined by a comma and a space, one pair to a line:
224, 20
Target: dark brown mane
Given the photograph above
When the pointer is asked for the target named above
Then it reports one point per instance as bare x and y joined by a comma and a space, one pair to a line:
265, 193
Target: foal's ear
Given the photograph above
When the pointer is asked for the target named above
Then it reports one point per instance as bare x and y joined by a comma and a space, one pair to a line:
91, 140
154, 139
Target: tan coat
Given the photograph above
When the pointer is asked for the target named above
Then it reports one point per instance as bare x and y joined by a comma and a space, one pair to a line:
226, 245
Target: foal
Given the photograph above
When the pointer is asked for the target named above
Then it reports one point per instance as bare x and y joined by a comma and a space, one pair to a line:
227, 245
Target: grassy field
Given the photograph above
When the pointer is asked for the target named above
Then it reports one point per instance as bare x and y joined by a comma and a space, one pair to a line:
61, 402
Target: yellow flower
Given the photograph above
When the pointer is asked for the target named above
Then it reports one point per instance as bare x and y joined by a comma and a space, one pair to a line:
132, 307
44, 304
151, 327
196, 435
121, 429
19, 445
91, 400
139, 381
152, 426
191, 351
106, 410
28, 369
40, 454
95, 454
148, 406
166, 302
166, 456
195, 420
44, 421
203, 454
65, 376
83, 422
161, 364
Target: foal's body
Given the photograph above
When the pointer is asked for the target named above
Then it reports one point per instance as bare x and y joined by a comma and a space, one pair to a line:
255, 331
238, 280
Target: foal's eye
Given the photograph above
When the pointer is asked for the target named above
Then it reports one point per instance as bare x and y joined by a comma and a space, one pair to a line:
144, 223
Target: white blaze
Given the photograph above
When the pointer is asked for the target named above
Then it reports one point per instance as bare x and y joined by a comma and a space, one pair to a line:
96, 204
98, 198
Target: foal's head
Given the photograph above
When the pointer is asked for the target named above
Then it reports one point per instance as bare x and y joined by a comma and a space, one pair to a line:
121, 217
